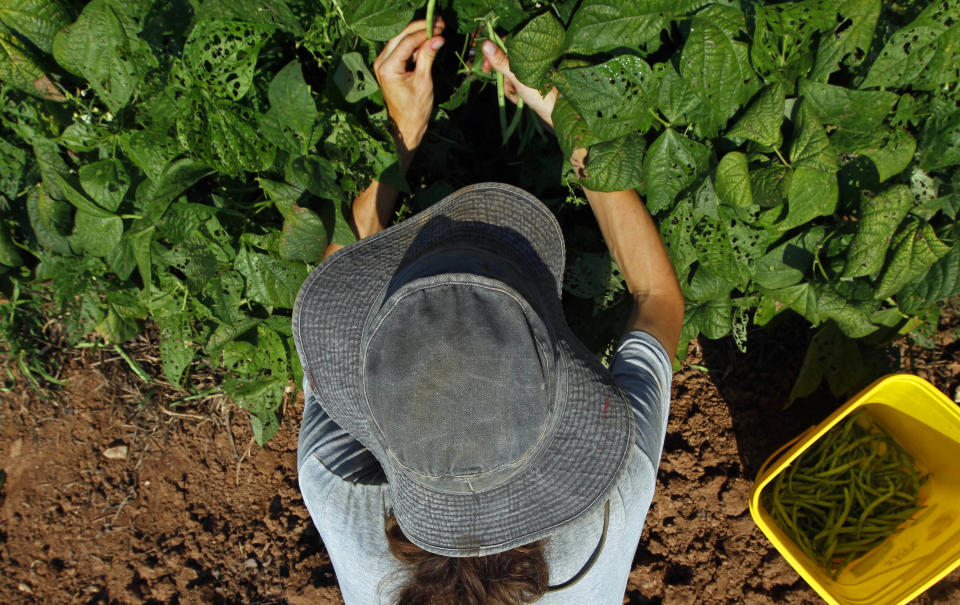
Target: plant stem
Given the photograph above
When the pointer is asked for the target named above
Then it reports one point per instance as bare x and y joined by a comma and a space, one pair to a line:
431, 4
782, 159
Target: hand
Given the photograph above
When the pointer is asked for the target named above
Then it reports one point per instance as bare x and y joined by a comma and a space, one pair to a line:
495, 58
409, 93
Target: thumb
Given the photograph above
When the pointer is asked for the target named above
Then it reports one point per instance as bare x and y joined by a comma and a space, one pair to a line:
426, 54
497, 58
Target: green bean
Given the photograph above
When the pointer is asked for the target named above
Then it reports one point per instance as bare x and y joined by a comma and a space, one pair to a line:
846, 494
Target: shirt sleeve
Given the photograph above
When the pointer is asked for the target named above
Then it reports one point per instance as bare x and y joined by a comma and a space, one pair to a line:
335, 448
642, 367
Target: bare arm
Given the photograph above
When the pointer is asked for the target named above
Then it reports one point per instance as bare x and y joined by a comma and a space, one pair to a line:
627, 228
408, 95
635, 244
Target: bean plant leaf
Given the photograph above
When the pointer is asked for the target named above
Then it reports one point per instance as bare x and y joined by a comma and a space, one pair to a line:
534, 49
80, 201
733, 180
782, 36
222, 135
49, 219
811, 193
602, 25
257, 375
103, 47
762, 120
810, 146
177, 349
353, 79
221, 56
862, 110
572, 131
710, 311
672, 164
790, 262
270, 281
675, 97
879, 218
271, 13
616, 165
717, 66
106, 181
941, 281
891, 151
36, 20
614, 98
850, 40
923, 54
940, 139
19, 68
291, 122
916, 248
378, 20
95, 235
676, 230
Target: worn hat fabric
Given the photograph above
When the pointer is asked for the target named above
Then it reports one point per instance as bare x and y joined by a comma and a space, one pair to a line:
440, 345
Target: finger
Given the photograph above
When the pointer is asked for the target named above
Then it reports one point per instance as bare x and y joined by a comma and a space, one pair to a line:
496, 57
426, 54
413, 26
396, 63
486, 67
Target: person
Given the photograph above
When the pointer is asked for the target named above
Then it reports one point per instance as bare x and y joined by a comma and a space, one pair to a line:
458, 444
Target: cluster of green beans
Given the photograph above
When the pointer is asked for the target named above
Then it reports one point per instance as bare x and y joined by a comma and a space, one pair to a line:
848, 493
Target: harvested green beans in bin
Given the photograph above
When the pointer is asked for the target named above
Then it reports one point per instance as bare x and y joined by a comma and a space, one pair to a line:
846, 495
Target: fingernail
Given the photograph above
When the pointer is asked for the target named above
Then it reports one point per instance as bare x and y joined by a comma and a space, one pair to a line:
488, 48
436, 44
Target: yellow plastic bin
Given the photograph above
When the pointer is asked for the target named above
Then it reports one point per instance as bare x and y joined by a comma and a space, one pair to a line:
927, 424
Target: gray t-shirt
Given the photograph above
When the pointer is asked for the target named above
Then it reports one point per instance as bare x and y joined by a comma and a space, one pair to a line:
344, 490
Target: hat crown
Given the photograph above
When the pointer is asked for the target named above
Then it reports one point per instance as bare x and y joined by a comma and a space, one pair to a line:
459, 379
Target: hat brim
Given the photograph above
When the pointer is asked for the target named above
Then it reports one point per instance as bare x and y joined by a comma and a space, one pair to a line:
586, 453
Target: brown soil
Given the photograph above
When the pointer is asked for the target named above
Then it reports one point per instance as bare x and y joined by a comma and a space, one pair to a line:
193, 512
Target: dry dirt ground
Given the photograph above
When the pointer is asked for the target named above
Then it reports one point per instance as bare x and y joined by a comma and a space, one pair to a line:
111, 498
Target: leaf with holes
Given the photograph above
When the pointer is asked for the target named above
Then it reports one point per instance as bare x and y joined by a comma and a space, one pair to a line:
257, 375
922, 55
221, 56
222, 135
614, 98
353, 79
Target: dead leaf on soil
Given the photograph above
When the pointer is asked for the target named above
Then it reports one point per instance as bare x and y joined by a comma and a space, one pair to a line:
116, 453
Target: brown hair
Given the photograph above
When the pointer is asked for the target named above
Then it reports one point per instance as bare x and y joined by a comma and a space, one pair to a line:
513, 577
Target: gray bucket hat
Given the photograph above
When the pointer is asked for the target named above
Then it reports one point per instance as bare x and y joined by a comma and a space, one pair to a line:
440, 345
